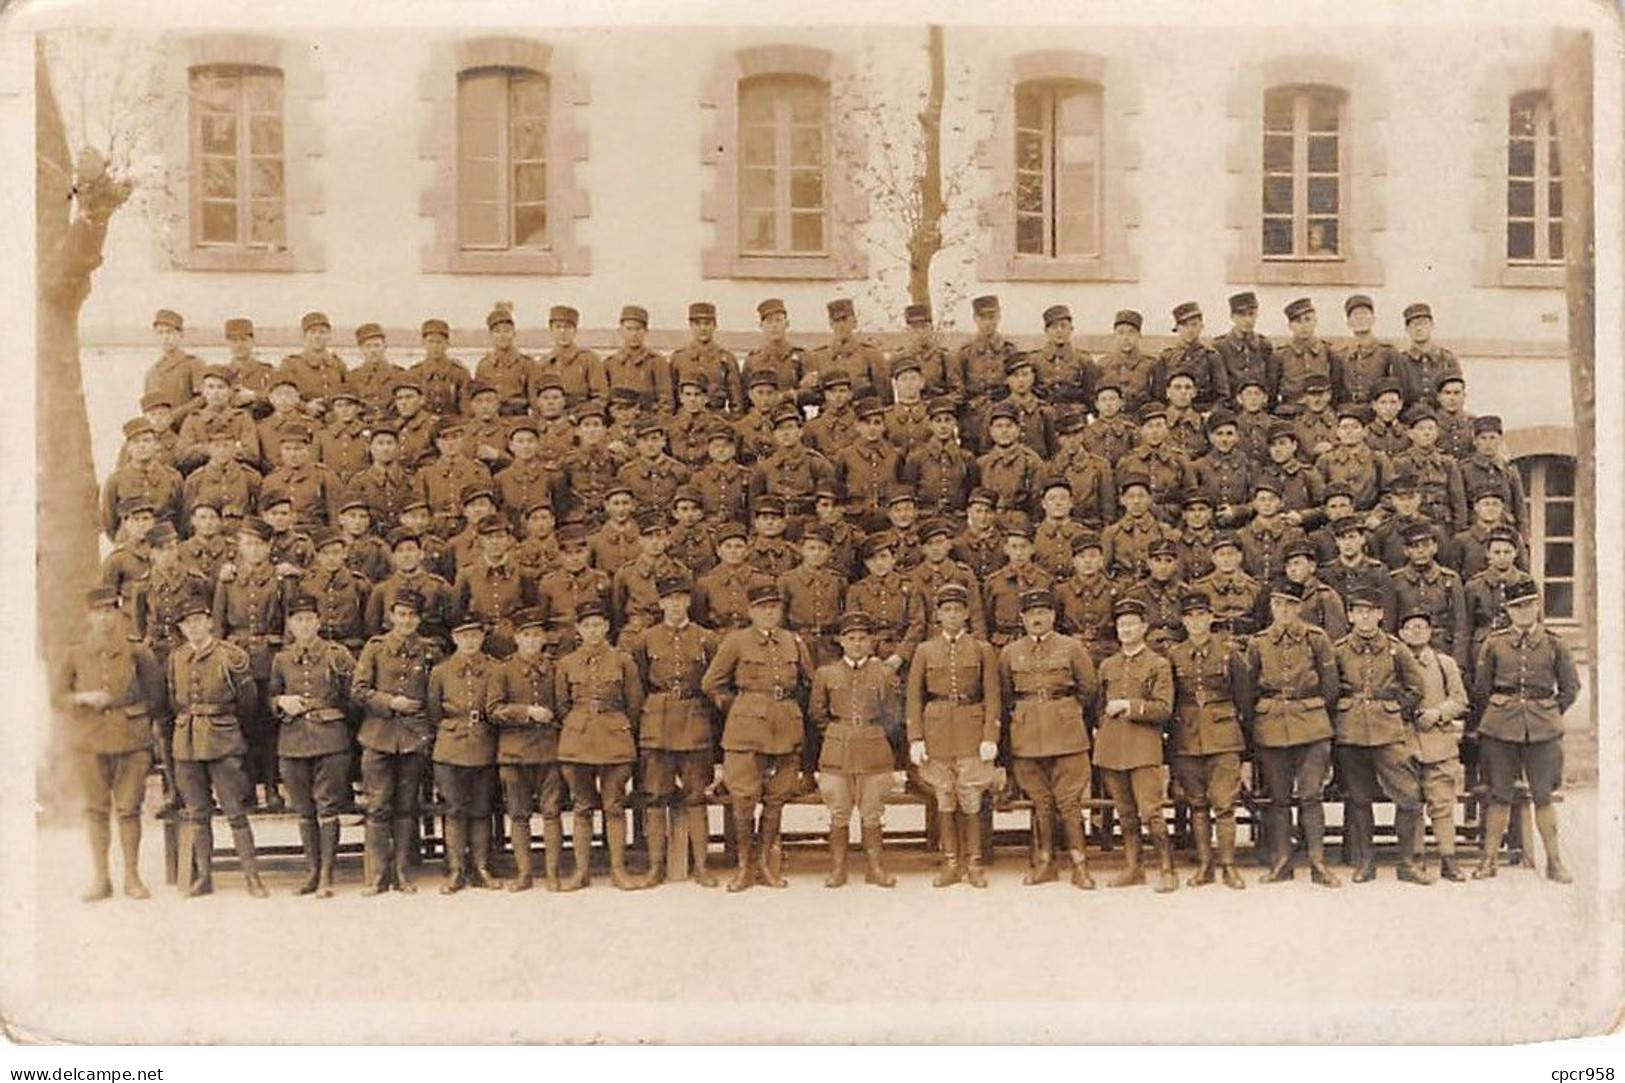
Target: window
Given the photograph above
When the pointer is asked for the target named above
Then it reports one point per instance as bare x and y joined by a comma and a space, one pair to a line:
783, 130
1057, 163
1302, 173
502, 159
1549, 482
238, 186
1534, 182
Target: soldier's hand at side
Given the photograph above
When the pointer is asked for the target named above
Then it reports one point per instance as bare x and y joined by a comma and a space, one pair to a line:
895, 661
1293, 517
290, 705
988, 751
245, 395
228, 572
286, 569
916, 753
1321, 447
488, 452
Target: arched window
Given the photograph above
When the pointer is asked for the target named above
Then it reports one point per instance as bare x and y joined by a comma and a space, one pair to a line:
502, 122
1303, 173
783, 136
1550, 482
1534, 182
1058, 169
239, 190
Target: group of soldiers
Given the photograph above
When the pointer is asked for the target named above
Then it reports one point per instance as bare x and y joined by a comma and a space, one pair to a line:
644, 581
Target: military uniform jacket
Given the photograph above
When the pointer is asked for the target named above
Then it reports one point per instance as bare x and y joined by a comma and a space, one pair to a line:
1052, 545
1291, 678
1322, 606
671, 662
1315, 428
760, 680
491, 593
953, 702
866, 471
1388, 539
813, 600
374, 382
1347, 578
1524, 682
270, 429
1169, 471
515, 686
1110, 437
1195, 553
633, 590
1442, 690
1468, 555
908, 425
793, 475
858, 708
1036, 420
317, 375
1478, 472
1066, 374
1362, 362
1145, 679
157, 605
772, 557
445, 384
942, 475
1134, 373
124, 570
192, 445
386, 489
689, 435
152, 481
561, 591
1094, 486
342, 448
321, 673
654, 482
587, 472
755, 430
1302, 488
128, 672
614, 544
978, 365
248, 612
1248, 357
935, 365
1301, 360
1389, 436
176, 374
208, 690
1003, 590
458, 695
1225, 476
1486, 601
1013, 473
442, 483
394, 665
1202, 363
1208, 679
1438, 591
1444, 498
368, 557
894, 602
205, 555
1161, 601
417, 436
1422, 369
928, 578
341, 597
721, 596
830, 431
783, 360
509, 371
437, 603
1456, 435
1380, 684
225, 485
1048, 685
1125, 542
580, 370
982, 553
524, 483
1236, 597
1084, 611
718, 367
1186, 432
599, 695
1262, 545
858, 358
723, 489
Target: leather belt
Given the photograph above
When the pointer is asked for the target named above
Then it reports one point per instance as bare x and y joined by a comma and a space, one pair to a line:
956, 701
1044, 695
324, 714
770, 693
209, 710
1293, 701
1528, 693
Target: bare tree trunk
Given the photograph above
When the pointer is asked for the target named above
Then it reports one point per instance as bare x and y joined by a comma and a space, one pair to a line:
1571, 107
926, 241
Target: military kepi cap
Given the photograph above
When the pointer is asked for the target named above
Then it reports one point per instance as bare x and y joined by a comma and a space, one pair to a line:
1417, 311
311, 320
773, 306
165, 317
1036, 599
764, 594
1521, 592
1300, 307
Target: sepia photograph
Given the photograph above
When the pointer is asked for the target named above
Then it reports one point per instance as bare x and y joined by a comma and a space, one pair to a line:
702, 524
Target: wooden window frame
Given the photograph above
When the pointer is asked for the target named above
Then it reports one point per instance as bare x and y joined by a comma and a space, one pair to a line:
243, 159
505, 162
1051, 93
1534, 470
1545, 146
1302, 102
784, 167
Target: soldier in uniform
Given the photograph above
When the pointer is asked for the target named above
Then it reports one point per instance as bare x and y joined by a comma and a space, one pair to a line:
215, 415
566, 588
1153, 458
315, 370
1455, 423
702, 359
130, 561
1302, 488
653, 475
1126, 368
1159, 593
209, 547
616, 542
1386, 432
1388, 536
250, 377
145, 477
177, 375
223, 479
1190, 356
908, 418
1126, 541
1010, 468
433, 605
1020, 574
464, 755
1225, 472
634, 588
771, 554
443, 481
1207, 743
1034, 417
211, 686
723, 482
940, 471
111, 690
490, 589
1084, 600
441, 379
937, 567
890, 599
868, 467
599, 694
1052, 537
977, 372
1048, 682
248, 613
759, 681
1486, 591
1316, 423
794, 470
776, 355
587, 473
373, 381
1111, 433
836, 425
1433, 739
527, 480
580, 371
1422, 366
1186, 432
1065, 373
1265, 537
309, 691
341, 444
340, 594
1235, 598
1196, 535
1353, 567
1524, 682
1366, 358
1247, 355
1305, 354
721, 595
690, 428
636, 366
1425, 584
1253, 421
981, 544
814, 596
923, 349
1444, 496
846, 352
676, 744
1486, 468
754, 428
417, 423
1291, 677
953, 713
521, 707
1469, 549
856, 708
504, 367
1322, 606
313, 488
1093, 483
1380, 686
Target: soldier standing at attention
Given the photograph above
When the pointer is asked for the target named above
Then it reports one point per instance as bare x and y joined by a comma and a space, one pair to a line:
503, 366
177, 375
441, 379
373, 381
776, 356
315, 370
465, 749
1423, 366
1136, 699
580, 371
1190, 356
391, 684
251, 376
1291, 677
211, 685
1049, 684
1523, 684
978, 366
1127, 368
599, 694
858, 358
1247, 355
1366, 359
248, 613
908, 419
759, 680
639, 368
111, 690
1065, 373
144, 478
702, 360
1112, 433
856, 706
923, 349
521, 706
309, 689
1425, 584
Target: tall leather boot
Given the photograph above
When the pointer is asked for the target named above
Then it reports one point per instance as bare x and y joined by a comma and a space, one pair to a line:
1043, 870
654, 831
971, 825
1312, 823
1080, 858
770, 868
581, 845
552, 850
197, 851
1359, 825
311, 844
101, 840
242, 838
948, 832
479, 841
456, 855
328, 836
615, 833
1546, 824
1224, 830
840, 841
129, 840
874, 849
519, 840
403, 854
1166, 880
1201, 829
1408, 827
699, 841
1496, 818
1132, 873
744, 813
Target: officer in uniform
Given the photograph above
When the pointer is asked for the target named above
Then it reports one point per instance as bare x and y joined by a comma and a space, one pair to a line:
676, 744
1048, 682
856, 707
465, 748
111, 690
1136, 700
1207, 743
308, 691
211, 686
1523, 684
953, 713
168, 585
599, 694
759, 681
1291, 677
391, 685
1380, 686
521, 707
